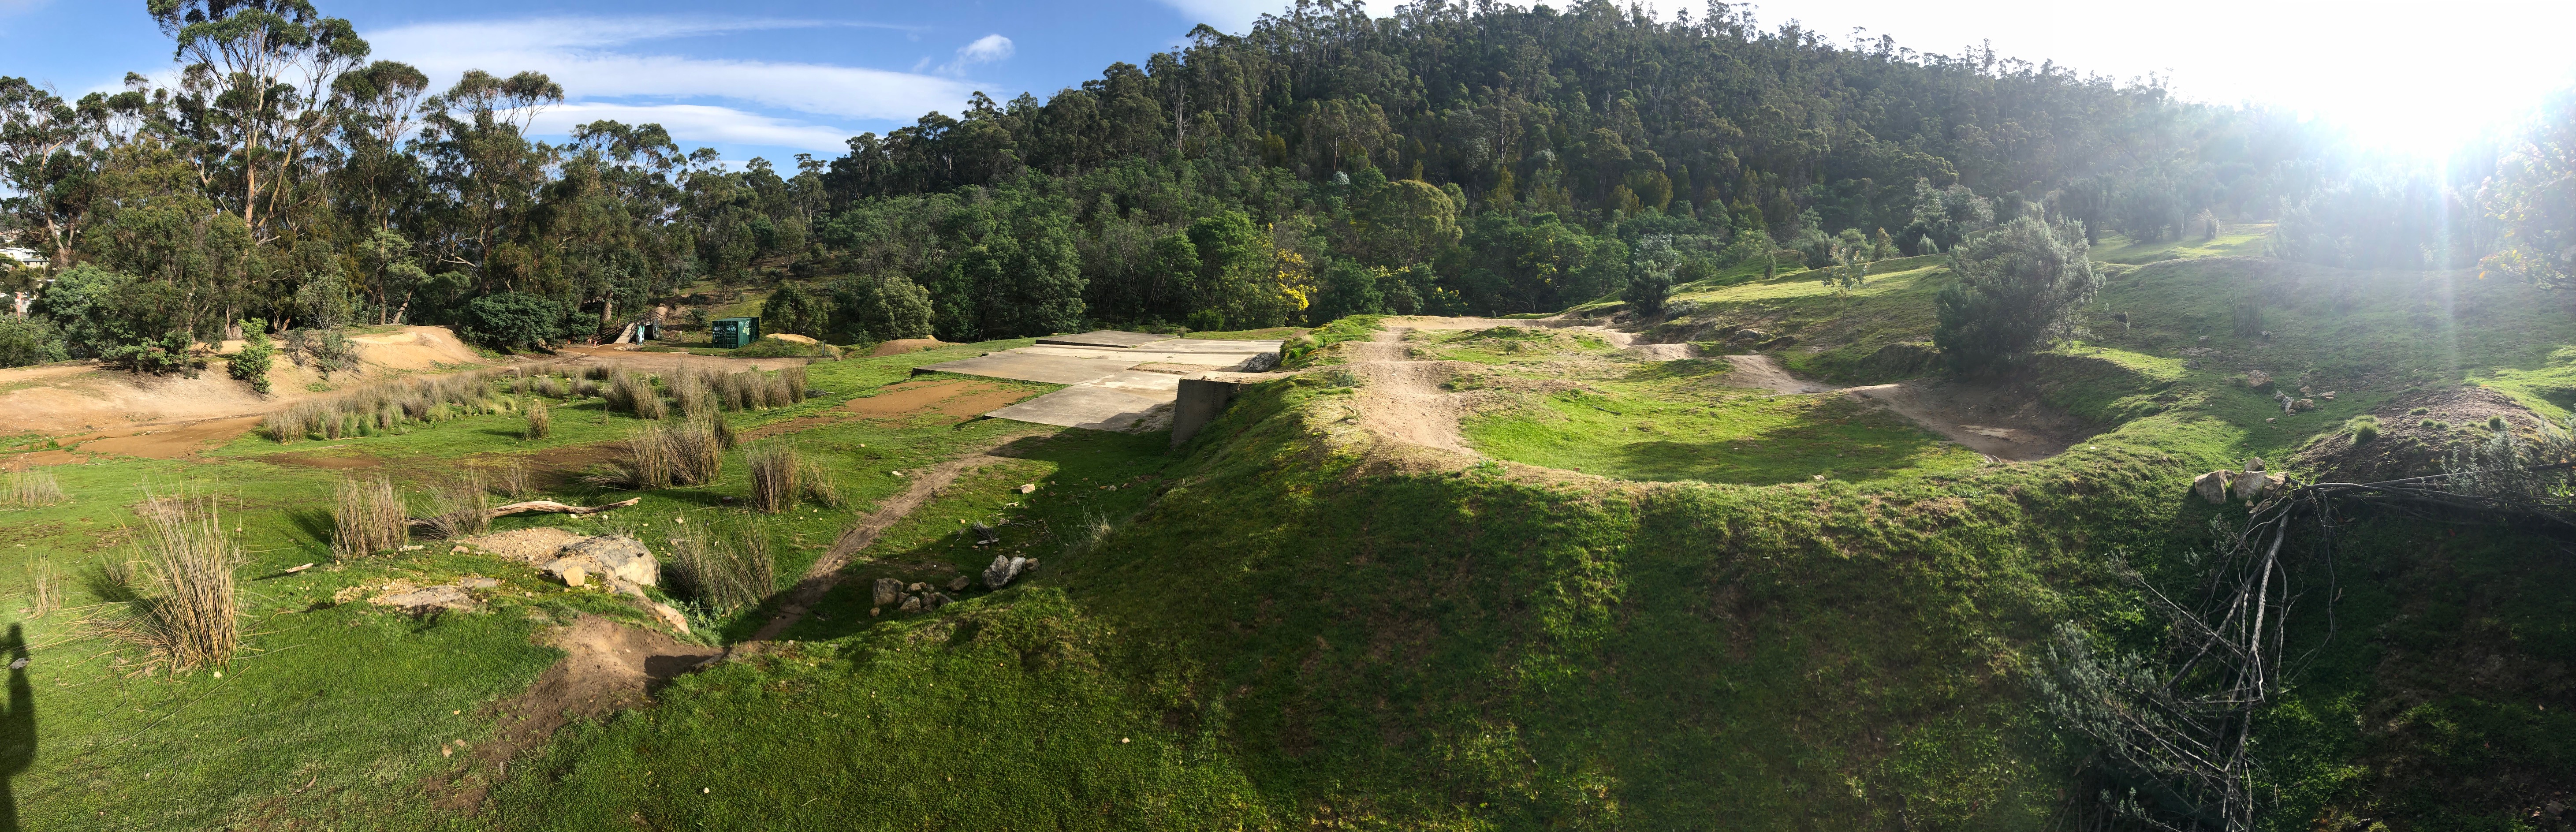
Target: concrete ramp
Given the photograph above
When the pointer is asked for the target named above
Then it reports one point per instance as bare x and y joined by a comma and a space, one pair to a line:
1105, 338
1125, 381
1097, 408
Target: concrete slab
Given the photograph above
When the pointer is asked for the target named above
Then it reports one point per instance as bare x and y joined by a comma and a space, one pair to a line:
1105, 338
1211, 345
1142, 381
1208, 360
1022, 366
1087, 406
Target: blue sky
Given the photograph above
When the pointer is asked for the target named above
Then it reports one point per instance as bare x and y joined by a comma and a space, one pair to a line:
778, 77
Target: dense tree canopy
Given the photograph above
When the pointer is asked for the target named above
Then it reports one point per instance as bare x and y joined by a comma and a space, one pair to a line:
1453, 157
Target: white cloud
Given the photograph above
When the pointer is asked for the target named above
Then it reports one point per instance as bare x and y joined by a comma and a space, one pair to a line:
692, 125
575, 52
985, 50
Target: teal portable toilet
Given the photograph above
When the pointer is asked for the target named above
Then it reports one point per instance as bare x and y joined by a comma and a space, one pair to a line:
734, 333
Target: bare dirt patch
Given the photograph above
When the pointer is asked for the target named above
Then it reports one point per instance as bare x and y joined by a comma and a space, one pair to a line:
900, 346
606, 666
954, 398
1764, 372
1998, 422
172, 442
1400, 398
80, 397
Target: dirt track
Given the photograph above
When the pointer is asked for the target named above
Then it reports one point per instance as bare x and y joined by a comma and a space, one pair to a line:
825, 574
1401, 398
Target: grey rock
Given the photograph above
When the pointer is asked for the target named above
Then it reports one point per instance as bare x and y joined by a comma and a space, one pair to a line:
430, 598
614, 556
888, 592
2212, 486
960, 583
917, 587
986, 534
479, 583
912, 603
2250, 485
1003, 569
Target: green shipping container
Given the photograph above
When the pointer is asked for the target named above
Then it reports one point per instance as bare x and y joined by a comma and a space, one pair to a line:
734, 333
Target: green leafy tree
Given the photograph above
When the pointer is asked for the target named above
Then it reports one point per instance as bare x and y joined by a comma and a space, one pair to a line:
1650, 277
879, 308
25, 341
513, 320
2015, 287
2532, 196
1348, 288
792, 310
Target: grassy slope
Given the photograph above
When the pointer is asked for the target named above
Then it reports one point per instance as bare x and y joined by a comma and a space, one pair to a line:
1293, 632
1287, 630
336, 714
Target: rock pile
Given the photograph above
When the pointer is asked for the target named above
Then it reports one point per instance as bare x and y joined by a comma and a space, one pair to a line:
2249, 485
1004, 569
913, 597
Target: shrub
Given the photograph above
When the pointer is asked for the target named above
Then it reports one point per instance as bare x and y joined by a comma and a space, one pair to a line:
724, 565
540, 420
367, 517
25, 341
774, 473
32, 488
2364, 428
2016, 285
188, 614
2496, 422
251, 364
512, 320
459, 507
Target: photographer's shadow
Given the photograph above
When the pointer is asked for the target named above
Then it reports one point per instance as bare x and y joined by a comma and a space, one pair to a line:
17, 727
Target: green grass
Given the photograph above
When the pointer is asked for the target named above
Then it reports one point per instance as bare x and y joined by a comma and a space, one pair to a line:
1285, 628
2239, 241
1680, 420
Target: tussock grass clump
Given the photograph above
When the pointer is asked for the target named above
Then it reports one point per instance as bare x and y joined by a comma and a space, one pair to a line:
724, 565
690, 392
44, 587
696, 451
595, 372
818, 484
187, 613
633, 394
774, 393
541, 422
585, 389
739, 391
2364, 428
775, 471
725, 437
367, 517
32, 488
459, 506
794, 378
550, 387
511, 479
661, 456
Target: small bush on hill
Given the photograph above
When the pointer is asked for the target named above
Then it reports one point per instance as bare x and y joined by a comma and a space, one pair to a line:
2016, 285
512, 320
252, 363
2364, 428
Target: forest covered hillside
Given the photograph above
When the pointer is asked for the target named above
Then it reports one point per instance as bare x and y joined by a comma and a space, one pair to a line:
1451, 158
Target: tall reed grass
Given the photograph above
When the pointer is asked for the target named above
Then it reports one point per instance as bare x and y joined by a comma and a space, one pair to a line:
33, 488
775, 470
367, 516
459, 507
818, 484
510, 478
794, 378
44, 587
188, 612
726, 566
541, 422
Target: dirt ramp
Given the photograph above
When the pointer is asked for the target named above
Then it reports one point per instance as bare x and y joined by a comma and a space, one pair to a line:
606, 666
415, 348
1999, 423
